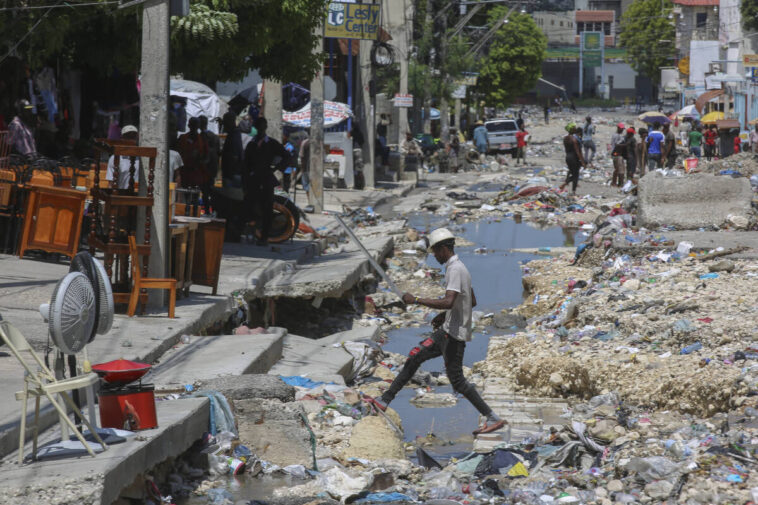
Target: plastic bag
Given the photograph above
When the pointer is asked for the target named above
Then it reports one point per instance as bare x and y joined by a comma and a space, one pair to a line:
653, 468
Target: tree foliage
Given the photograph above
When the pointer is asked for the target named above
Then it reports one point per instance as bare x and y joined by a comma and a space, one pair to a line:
514, 61
219, 40
648, 36
749, 11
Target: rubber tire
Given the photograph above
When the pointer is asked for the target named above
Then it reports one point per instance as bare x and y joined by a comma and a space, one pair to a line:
285, 222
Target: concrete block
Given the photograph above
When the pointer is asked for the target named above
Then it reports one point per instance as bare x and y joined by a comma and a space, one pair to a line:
218, 356
310, 358
274, 431
101, 479
692, 201
244, 387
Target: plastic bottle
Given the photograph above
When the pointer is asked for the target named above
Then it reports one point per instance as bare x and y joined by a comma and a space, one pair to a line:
691, 348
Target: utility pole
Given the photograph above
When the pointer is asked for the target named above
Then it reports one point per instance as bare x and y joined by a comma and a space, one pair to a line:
272, 107
369, 110
316, 141
153, 130
402, 113
444, 108
428, 28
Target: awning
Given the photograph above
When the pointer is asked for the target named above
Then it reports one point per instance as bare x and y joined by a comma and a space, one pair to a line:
726, 124
707, 97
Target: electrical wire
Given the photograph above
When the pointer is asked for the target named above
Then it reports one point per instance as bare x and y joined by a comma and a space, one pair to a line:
58, 6
34, 27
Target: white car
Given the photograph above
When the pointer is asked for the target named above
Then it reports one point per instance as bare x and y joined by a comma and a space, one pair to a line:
501, 134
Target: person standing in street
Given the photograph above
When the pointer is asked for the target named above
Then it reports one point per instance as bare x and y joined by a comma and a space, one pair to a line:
655, 140
452, 329
642, 152
214, 148
260, 155
754, 139
589, 144
232, 155
546, 110
618, 154
631, 153
696, 140
521, 144
709, 136
194, 152
669, 147
574, 158
481, 138
20, 135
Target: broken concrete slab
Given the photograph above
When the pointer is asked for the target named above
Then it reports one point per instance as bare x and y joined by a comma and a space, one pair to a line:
274, 431
101, 479
328, 276
244, 387
313, 359
198, 360
694, 201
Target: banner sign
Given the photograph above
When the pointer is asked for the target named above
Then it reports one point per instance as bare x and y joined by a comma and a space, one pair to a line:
352, 21
750, 60
334, 114
592, 49
403, 100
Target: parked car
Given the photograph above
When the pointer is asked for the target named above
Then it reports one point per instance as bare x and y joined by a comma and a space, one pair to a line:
502, 135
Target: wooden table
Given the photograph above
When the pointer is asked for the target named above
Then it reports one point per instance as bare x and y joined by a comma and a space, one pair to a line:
208, 251
183, 236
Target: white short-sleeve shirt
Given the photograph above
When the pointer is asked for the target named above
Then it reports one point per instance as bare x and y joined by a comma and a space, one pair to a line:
124, 166
458, 319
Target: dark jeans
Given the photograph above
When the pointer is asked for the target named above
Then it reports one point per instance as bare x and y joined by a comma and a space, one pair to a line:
451, 349
572, 176
259, 199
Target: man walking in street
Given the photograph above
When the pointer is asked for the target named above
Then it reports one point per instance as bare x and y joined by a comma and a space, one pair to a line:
260, 156
710, 137
696, 140
618, 154
481, 138
521, 144
587, 141
655, 140
630, 144
574, 158
669, 147
232, 155
452, 331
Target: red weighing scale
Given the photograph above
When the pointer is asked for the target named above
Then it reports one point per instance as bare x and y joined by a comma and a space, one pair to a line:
125, 405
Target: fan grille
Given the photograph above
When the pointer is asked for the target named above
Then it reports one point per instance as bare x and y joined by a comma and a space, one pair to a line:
85, 263
72, 313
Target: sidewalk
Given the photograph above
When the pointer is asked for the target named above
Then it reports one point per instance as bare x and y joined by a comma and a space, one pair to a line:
245, 269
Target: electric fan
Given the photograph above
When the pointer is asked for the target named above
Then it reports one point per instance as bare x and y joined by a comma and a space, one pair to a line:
84, 262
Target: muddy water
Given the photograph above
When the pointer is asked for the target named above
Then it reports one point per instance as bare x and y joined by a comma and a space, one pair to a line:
496, 279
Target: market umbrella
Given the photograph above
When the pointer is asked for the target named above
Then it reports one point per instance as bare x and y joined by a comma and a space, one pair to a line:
689, 111
244, 98
712, 117
654, 117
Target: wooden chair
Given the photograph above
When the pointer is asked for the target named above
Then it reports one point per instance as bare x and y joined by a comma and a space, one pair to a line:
5, 149
142, 283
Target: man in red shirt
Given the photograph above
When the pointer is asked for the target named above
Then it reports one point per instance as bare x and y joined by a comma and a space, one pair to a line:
710, 136
521, 144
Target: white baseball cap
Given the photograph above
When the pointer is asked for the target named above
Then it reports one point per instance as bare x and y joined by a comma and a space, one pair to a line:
129, 129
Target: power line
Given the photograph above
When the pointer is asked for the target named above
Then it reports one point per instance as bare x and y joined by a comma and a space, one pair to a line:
59, 5
48, 11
